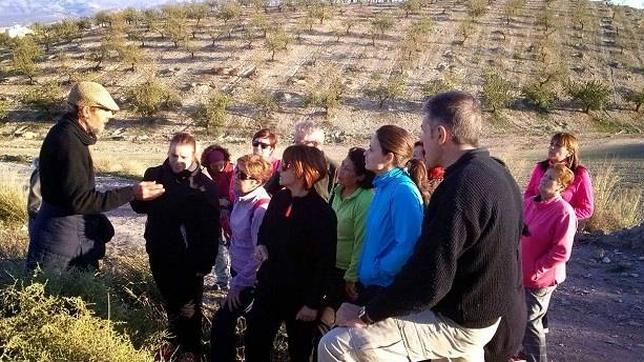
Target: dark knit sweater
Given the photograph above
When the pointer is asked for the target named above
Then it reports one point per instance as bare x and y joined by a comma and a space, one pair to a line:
464, 265
67, 173
300, 235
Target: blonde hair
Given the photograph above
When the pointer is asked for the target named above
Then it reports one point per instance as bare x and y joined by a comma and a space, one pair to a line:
563, 175
257, 167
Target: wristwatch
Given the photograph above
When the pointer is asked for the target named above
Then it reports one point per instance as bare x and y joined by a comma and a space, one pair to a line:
364, 317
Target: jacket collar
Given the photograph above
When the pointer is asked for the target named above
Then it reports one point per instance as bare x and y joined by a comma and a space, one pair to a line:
384, 178
467, 157
86, 138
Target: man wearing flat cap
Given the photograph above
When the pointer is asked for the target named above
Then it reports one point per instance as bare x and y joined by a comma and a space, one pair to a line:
70, 229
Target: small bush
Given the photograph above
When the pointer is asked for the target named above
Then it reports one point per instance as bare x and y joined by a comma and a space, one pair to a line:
151, 96
497, 92
38, 327
383, 89
616, 207
636, 97
591, 94
477, 8
4, 109
276, 40
435, 86
540, 95
264, 100
47, 98
411, 6
327, 95
211, 114
24, 55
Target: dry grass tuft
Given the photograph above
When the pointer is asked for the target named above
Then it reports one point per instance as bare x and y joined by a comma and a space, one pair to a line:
13, 198
616, 207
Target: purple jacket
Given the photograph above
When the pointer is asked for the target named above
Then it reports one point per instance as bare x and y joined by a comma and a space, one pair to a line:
245, 219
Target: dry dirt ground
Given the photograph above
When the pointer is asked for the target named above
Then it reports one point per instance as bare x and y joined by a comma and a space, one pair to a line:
597, 313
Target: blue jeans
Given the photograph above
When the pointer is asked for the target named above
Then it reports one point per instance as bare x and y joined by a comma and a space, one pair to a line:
222, 266
534, 341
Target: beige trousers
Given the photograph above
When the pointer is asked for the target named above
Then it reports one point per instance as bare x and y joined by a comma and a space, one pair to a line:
415, 337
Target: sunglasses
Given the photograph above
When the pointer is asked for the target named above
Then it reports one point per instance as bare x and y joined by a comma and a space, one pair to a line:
260, 144
242, 176
102, 108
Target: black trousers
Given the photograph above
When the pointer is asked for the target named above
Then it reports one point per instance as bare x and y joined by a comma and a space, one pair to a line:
182, 292
222, 336
269, 310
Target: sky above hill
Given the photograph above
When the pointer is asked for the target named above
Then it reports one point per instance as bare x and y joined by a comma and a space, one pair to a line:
28, 11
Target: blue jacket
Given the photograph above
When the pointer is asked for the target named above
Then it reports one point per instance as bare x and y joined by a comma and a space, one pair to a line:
394, 222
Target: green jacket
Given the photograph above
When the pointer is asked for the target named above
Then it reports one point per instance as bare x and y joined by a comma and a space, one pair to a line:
352, 214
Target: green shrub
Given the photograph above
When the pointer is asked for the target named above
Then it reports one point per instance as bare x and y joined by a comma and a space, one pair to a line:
264, 101
211, 114
447, 82
24, 55
35, 326
497, 92
383, 89
592, 94
632, 96
411, 6
46, 99
542, 96
151, 96
327, 95
276, 40
4, 109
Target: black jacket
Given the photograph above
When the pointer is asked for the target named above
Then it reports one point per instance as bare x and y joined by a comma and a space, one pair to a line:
183, 224
465, 264
300, 235
67, 173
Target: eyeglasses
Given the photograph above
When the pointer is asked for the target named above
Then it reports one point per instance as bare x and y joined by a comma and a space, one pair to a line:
242, 176
286, 166
260, 144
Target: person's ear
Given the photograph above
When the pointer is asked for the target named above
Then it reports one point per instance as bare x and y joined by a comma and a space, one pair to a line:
389, 158
441, 134
85, 111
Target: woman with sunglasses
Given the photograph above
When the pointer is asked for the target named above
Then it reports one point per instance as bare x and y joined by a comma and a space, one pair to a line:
395, 215
296, 249
264, 142
252, 200
564, 149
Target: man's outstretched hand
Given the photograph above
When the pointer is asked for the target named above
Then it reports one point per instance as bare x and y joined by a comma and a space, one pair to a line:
148, 190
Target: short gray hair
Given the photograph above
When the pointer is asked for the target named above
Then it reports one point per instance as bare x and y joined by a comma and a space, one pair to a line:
459, 112
307, 127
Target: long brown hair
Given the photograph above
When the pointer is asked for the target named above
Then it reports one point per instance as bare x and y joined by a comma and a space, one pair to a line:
570, 142
397, 141
426, 180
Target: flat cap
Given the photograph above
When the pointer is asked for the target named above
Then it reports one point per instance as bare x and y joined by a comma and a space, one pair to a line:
91, 94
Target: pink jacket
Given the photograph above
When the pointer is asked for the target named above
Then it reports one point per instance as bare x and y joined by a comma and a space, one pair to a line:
547, 243
579, 193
